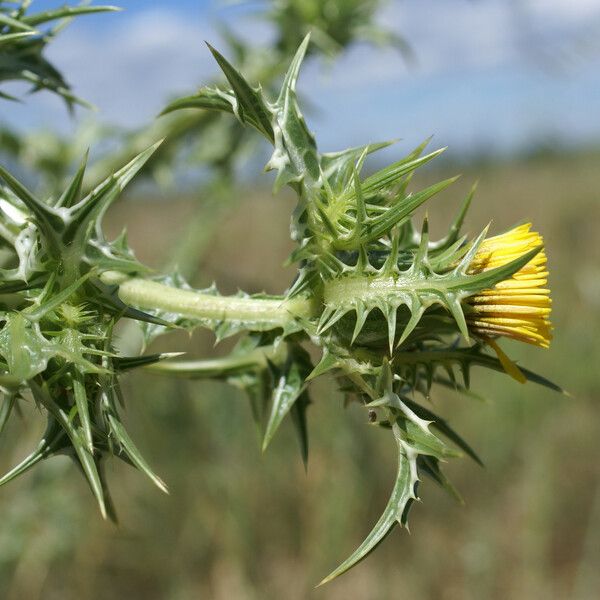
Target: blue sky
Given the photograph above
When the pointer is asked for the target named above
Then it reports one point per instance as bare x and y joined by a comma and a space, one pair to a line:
494, 74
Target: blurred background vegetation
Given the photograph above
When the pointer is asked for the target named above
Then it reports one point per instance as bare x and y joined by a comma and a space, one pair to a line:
238, 524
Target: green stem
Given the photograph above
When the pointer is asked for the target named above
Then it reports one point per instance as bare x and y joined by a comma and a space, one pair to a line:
365, 287
220, 367
271, 312
373, 287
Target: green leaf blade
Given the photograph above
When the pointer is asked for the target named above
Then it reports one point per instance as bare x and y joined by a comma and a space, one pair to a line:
402, 494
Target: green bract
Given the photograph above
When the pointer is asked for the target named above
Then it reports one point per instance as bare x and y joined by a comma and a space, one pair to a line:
382, 304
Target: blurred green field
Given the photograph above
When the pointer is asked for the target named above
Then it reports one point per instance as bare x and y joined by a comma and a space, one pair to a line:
240, 525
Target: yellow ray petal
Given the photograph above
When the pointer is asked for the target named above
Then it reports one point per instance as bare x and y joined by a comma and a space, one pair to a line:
520, 306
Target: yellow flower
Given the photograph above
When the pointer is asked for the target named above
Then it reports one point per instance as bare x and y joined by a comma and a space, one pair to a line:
518, 307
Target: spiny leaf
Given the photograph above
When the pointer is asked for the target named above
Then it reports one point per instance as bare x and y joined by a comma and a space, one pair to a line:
387, 177
290, 385
328, 362
64, 12
442, 426
401, 210
295, 156
38, 311
75, 434
291, 76
466, 358
423, 441
456, 310
91, 209
9, 97
127, 363
362, 312
53, 440
402, 494
130, 449
83, 410
251, 106
46, 217
12, 37
8, 401
71, 195
24, 348
431, 467
15, 24
457, 224
257, 387
208, 98
416, 312
298, 414
70, 346
338, 167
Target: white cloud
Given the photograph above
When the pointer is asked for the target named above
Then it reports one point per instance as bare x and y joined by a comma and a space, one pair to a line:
460, 36
130, 69
129, 65
570, 11
482, 77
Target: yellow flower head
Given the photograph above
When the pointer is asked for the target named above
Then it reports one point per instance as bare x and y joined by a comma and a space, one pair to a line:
518, 307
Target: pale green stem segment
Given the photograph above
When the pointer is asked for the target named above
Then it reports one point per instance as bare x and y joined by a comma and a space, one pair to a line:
371, 288
144, 294
220, 367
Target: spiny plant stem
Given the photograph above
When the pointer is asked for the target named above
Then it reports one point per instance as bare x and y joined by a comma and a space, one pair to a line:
391, 312
367, 288
149, 295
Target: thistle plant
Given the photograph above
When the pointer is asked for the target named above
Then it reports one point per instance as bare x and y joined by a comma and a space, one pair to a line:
389, 312
23, 38
333, 25
49, 158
